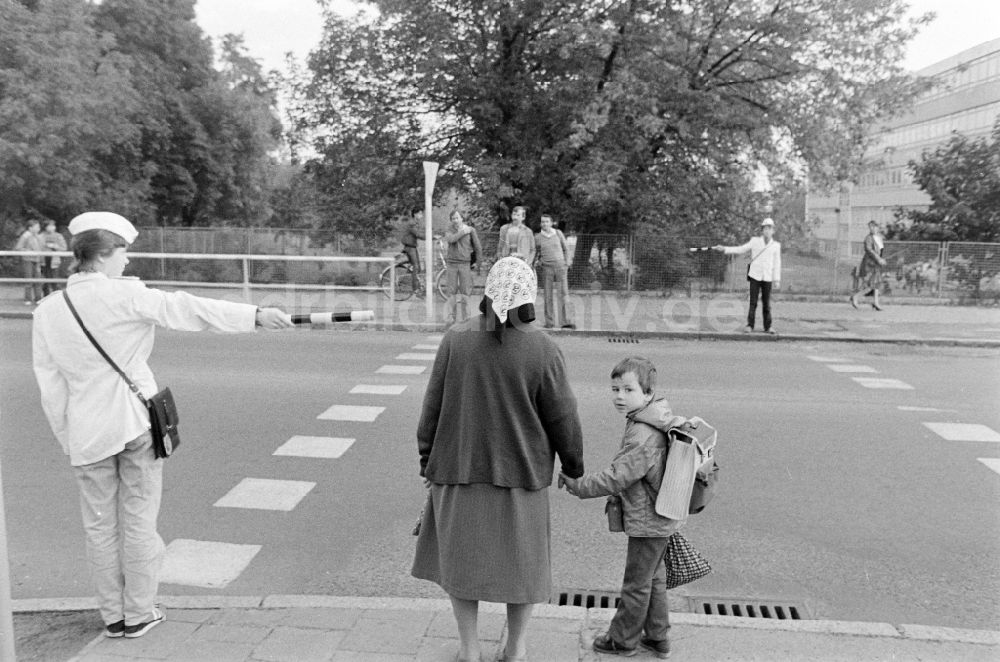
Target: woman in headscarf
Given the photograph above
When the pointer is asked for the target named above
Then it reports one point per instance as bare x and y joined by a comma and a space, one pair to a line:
497, 410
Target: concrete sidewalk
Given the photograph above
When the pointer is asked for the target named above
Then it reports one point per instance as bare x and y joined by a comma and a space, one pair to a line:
344, 629
721, 317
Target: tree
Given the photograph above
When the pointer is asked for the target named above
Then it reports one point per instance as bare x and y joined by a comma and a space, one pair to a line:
613, 114
962, 178
65, 102
204, 135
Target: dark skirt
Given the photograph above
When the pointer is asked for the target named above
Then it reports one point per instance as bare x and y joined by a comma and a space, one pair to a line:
482, 542
870, 273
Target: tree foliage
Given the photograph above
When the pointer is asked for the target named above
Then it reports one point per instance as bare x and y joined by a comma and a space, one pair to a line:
962, 178
119, 105
611, 114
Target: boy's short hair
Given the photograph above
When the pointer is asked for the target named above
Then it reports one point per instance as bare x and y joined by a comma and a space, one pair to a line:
645, 371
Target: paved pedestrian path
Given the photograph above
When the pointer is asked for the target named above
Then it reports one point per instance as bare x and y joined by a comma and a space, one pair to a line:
643, 315
304, 628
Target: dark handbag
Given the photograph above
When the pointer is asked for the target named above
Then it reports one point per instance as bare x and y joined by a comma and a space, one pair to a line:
161, 408
683, 562
613, 509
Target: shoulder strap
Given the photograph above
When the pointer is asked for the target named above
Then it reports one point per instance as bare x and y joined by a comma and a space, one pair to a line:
760, 253
76, 315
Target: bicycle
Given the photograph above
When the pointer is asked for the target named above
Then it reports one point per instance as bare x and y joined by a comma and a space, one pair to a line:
407, 282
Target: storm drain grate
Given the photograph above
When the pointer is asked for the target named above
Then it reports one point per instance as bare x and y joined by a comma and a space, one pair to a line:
623, 337
777, 610
588, 599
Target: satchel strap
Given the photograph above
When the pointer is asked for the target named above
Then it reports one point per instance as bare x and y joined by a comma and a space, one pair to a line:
131, 384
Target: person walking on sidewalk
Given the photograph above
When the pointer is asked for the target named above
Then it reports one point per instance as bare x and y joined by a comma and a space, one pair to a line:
516, 238
553, 254
634, 479
100, 423
53, 241
463, 249
763, 271
31, 264
413, 231
870, 269
485, 532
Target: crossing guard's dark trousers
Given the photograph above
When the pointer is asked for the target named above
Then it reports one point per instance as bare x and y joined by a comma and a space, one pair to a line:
760, 288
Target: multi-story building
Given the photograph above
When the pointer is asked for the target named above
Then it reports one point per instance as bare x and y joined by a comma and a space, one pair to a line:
966, 101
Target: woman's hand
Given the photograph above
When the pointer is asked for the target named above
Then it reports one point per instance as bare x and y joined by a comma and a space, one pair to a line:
272, 319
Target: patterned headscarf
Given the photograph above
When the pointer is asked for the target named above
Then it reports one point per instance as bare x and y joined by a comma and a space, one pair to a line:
510, 283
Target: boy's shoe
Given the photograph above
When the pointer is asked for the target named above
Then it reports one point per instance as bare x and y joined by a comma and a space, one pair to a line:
134, 631
569, 326
605, 644
748, 329
114, 630
660, 647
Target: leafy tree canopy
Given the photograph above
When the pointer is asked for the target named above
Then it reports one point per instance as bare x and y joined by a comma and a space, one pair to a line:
962, 178
611, 114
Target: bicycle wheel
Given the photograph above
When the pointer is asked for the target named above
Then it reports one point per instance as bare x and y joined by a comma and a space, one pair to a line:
404, 282
441, 284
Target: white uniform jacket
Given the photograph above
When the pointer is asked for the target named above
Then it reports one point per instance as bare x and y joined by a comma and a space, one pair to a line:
91, 409
767, 267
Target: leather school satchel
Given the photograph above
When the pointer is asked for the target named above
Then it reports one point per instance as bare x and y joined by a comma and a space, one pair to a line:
161, 407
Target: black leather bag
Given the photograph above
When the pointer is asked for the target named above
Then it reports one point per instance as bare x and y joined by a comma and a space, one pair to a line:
161, 407
163, 423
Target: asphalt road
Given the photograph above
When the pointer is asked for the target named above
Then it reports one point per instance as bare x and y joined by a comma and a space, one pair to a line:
833, 495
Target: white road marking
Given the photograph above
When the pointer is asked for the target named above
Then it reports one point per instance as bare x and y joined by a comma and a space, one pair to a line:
876, 382
401, 369
991, 462
414, 356
844, 367
205, 564
827, 359
964, 432
431, 347
351, 413
320, 447
266, 494
932, 409
379, 389
436, 337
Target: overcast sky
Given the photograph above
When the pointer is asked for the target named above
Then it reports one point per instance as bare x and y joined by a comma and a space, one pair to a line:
273, 27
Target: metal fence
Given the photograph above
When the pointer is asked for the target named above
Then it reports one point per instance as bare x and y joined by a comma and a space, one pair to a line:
965, 272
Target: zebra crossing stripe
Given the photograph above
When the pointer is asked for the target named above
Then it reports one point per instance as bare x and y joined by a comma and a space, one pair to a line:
426, 347
204, 563
401, 369
317, 447
266, 494
845, 367
963, 432
876, 382
379, 389
826, 359
991, 462
351, 413
415, 356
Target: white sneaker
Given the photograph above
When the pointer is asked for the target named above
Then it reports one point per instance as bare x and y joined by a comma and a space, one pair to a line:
135, 631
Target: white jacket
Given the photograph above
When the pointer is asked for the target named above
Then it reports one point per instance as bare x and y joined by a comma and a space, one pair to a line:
767, 267
89, 406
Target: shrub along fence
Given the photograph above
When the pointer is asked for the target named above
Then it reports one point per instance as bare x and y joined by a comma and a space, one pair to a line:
652, 262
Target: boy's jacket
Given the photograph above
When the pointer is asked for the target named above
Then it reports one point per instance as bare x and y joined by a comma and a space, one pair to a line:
636, 471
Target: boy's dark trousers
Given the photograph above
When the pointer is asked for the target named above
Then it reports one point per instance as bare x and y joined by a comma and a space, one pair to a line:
763, 289
643, 603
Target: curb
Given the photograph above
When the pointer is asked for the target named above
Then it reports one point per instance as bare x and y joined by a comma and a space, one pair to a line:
425, 327
846, 628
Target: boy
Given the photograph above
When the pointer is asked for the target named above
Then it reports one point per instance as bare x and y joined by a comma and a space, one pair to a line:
635, 475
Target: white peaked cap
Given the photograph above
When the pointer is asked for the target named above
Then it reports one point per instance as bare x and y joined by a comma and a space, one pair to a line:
104, 220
